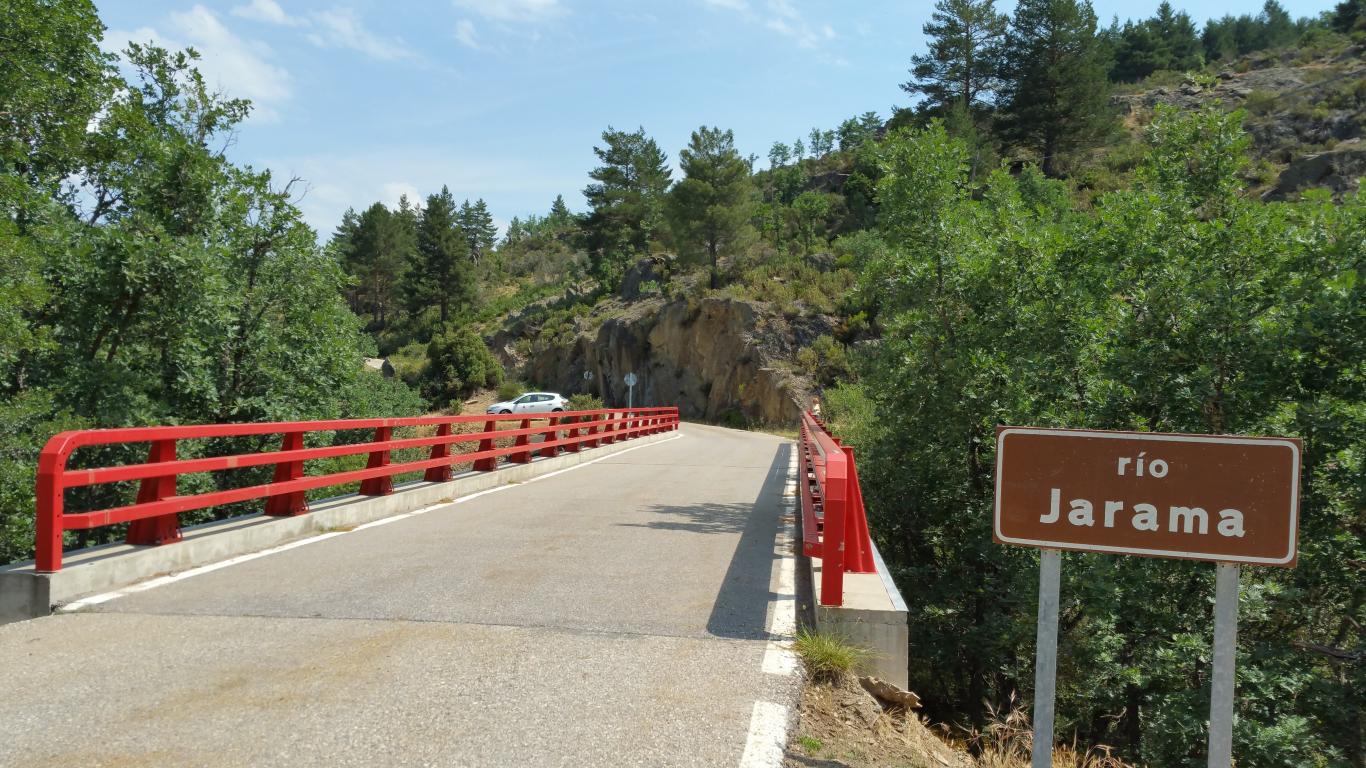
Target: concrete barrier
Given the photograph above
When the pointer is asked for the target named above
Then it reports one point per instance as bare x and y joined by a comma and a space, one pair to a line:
873, 617
25, 594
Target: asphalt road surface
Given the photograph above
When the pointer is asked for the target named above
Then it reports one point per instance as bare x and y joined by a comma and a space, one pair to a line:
619, 613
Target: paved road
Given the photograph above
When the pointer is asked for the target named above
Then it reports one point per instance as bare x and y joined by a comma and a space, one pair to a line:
615, 614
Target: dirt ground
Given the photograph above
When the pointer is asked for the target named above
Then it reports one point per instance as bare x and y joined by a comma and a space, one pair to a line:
841, 726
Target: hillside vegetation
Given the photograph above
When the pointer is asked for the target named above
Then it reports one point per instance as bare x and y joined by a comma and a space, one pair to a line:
1137, 226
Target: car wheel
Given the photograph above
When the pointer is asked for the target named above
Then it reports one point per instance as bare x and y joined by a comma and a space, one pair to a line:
505, 411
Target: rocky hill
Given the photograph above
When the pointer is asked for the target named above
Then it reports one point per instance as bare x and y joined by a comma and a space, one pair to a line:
1306, 110
719, 358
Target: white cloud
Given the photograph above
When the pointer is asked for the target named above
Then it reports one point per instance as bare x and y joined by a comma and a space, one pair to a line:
268, 11
465, 34
392, 191
514, 10
783, 17
240, 68
343, 28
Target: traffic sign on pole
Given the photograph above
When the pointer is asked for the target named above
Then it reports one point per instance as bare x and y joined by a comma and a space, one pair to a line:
630, 380
1225, 499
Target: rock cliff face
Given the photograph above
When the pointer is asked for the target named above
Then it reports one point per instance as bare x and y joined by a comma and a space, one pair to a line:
714, 357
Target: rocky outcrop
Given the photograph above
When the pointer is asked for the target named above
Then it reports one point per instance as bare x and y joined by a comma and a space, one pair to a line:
714, 357
1339, 170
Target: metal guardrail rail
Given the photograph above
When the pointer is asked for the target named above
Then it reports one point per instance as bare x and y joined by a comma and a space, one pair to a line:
834, 523
153, 517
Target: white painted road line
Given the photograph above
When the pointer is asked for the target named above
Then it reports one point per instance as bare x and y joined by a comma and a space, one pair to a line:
767, 736
159, 581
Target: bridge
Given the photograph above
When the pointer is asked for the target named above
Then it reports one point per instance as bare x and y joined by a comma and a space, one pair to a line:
603, 588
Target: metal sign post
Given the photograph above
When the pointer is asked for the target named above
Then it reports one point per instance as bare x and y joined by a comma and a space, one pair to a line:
1046, 657
1225, 652
630, 380
1225, 499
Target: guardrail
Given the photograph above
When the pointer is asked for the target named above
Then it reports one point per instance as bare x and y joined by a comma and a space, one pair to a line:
834, 524
153, 518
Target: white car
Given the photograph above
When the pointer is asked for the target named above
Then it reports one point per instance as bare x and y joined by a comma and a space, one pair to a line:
532, 402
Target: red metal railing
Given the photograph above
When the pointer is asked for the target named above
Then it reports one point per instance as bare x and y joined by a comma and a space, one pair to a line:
834, 525
153, 517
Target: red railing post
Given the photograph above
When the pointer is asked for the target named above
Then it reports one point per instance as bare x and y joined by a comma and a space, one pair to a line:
551, 451
488, 463
384, 484
522, 457
161, 529
833, 533
440, 451
50, 497
574, 447
592, 442
609, 429
294, 502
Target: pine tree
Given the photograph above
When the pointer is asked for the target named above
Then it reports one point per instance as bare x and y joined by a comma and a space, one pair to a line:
559, 213
481, 234
710, 206
625, 200
963, 58
779, 155
1349, 15
1055, 96
440, 272
376, 260
1278, 28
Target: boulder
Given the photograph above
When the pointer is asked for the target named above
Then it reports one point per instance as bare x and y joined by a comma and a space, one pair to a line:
1339, 170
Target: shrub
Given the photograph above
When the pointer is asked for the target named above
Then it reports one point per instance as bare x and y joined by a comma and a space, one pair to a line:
584, 402
457, 364
1259, 102
510, 389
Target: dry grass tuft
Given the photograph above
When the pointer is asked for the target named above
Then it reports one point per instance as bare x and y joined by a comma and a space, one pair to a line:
1007, 741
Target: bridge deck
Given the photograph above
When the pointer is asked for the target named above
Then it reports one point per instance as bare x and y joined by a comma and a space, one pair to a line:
613, 614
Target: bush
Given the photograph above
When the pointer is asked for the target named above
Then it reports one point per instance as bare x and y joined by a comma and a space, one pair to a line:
584, 402
825, 361
510, 389
458, 363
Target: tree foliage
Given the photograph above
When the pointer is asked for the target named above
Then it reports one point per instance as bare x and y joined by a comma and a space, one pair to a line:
1055, 91
1177, 305
626, 201
710, 205
148, 280
962, 63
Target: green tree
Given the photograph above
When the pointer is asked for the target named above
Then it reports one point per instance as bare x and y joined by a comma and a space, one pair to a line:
710, 206
1178, 305
481, 234
625, 200
559, 213
962, 63
375, 253
1349, 16
1055, 94
779, 155
1165, 41
440, 273
809, 212
1278, 28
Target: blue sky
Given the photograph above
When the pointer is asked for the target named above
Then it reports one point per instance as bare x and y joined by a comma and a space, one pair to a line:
504, 99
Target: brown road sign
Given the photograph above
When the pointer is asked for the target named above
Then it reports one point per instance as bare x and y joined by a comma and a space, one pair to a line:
1224, 498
